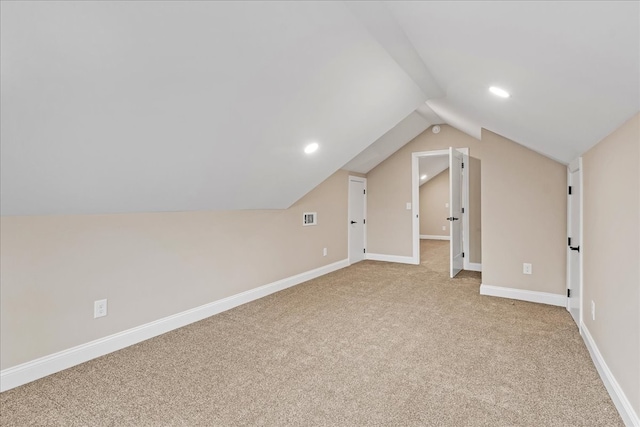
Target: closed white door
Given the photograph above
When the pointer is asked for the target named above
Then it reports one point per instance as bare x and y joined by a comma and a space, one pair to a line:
357, 218
455, 212
575, 270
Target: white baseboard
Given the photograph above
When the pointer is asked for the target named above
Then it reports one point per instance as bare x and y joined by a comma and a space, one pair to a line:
519, 294
474, 266
391, 258
433, 237
618, 397
47, 365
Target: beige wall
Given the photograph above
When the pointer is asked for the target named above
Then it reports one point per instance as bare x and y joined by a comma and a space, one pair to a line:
389, 190
523, 206
150, 265
524, 217
434, 196
611, 251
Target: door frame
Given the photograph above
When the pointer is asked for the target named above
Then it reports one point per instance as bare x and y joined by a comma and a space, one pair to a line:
364, 225
574, 166
415, 201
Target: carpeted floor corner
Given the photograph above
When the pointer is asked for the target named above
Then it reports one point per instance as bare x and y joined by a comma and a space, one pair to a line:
374, 344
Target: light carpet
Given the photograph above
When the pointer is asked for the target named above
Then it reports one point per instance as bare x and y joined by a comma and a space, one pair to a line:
374, 344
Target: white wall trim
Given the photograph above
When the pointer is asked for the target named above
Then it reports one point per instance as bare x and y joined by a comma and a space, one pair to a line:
50, 364
618, 397
474, 266
434, 237
391, 258
523, 295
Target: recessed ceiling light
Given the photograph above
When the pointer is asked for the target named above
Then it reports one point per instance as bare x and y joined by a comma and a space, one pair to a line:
311, 148
423, 177
499, 92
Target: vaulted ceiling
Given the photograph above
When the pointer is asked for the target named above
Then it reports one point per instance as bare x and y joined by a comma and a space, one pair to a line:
176, 106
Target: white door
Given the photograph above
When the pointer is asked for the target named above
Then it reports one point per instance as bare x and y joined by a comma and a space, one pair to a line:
455, 211
357, 218
574, 229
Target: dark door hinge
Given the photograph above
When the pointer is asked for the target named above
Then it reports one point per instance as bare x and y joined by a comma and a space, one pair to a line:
364, 191
462, 165
462, 254
568, 293
569, 241
364, 250
364, 221
462, 210
569, 189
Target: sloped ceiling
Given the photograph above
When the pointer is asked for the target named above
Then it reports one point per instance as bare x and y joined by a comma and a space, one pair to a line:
180, 106
432, 166
175, 106
572, 68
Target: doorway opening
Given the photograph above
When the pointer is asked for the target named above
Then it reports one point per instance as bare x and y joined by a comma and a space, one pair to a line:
435, 163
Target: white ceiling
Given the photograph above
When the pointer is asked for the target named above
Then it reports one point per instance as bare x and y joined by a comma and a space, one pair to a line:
176, 106
572, 67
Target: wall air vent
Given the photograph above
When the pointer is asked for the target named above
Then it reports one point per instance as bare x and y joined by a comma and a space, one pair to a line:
310, 218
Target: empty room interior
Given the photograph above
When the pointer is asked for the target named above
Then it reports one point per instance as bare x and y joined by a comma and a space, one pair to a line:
320, 213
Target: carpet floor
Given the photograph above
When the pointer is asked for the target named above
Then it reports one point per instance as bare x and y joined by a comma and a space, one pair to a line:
374, 344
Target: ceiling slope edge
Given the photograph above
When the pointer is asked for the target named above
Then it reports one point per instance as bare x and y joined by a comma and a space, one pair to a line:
381, 24
397, 137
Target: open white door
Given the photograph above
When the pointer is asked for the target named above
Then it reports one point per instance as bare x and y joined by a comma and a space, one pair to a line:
357, 214
574, 228
455, 211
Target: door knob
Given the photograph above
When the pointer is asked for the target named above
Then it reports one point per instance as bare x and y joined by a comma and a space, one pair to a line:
452, 219
576, 248
354, 222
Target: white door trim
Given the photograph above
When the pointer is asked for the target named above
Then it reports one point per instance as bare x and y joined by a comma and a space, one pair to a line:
364, 226
574, 166
415, 202
465, 202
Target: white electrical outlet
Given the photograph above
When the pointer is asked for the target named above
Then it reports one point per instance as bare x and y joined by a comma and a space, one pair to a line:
324, 252
408, 206
99, 308
444, 228
526, 268
593, 310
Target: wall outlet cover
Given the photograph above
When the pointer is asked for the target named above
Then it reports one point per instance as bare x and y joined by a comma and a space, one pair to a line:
99, 308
